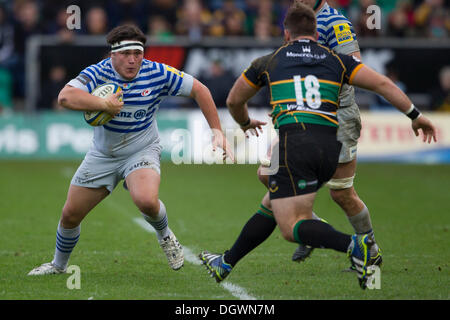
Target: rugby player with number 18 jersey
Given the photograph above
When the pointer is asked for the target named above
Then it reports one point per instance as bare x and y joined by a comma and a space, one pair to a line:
337, 33
127, 147
305, 80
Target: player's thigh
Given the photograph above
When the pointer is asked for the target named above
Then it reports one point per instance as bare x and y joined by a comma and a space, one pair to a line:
263, 178
266, 201
288, 211
345, 170
349, 132
143, 185
80, 201
141, 172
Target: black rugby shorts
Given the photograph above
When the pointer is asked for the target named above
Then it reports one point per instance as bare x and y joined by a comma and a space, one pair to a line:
308, 157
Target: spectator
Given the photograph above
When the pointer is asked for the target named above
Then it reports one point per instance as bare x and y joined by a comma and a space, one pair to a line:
27, 23
127, 12
229, 20
193, 20
401, 20
96, 21
268, 10
263, 29
432, 19
234, 25
59, 26
159, 28
214, 5
381, 104
51, 88
20, 19
439, 26
27, 15
219, 81
52, 12
441, 96
166, 9
251, 13
6, 40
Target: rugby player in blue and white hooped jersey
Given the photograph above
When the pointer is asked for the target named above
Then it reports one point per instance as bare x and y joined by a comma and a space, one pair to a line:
127, 147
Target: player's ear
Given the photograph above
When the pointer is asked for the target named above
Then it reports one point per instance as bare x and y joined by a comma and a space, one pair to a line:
287, 35
317, 35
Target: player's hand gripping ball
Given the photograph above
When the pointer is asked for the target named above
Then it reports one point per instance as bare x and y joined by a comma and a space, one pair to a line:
99, 118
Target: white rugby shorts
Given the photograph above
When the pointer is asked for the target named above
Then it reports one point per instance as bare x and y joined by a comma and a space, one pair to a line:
98, 170
349, 132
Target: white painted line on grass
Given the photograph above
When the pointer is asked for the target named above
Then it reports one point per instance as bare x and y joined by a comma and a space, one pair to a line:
189, 256
237, 291
144, 225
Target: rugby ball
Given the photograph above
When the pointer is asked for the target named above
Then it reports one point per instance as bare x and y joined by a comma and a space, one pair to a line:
99, 118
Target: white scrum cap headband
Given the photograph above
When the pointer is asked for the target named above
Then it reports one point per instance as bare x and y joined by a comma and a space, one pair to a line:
127, 45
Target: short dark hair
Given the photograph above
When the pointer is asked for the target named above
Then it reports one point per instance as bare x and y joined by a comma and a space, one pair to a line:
300, 20
125, 32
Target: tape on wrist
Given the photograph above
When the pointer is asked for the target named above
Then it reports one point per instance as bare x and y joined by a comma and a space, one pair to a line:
413, 113
246, 123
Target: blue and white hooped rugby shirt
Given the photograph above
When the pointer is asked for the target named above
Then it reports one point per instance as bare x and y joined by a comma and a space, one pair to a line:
337, 33
134, 128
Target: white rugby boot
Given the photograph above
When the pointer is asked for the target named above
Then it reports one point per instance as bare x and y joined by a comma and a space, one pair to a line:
173, 251
46, 268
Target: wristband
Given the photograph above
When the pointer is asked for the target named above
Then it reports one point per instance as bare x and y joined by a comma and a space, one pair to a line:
413, 113
245, 124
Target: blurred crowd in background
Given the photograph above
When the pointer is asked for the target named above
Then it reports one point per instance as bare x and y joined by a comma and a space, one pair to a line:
195, 19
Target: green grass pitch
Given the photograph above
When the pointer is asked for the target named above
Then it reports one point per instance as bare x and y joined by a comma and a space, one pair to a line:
207, 207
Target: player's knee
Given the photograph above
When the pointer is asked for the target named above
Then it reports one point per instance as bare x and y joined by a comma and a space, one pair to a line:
148, 205
345, 198
262, 177
287, 235
70, 218
286, 231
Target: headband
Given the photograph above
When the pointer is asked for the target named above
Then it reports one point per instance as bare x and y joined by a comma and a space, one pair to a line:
127, 45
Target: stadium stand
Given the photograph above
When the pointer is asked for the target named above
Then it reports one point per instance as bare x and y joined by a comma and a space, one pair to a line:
197, 19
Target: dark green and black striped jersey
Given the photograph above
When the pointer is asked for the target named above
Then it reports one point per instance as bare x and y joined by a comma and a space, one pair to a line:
305, 79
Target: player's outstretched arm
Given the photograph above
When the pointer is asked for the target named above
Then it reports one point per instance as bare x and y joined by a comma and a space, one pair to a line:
424, 124
201, 94
237, 99
76, 99
367, 78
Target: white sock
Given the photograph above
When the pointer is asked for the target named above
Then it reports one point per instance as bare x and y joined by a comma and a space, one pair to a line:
66, 239
363, 225
361, 222
160, 222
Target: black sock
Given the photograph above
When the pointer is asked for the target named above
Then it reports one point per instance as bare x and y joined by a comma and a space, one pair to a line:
318, 234
255, 231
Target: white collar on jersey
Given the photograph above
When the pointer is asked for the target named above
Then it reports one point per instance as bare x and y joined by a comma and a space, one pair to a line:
127, 45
